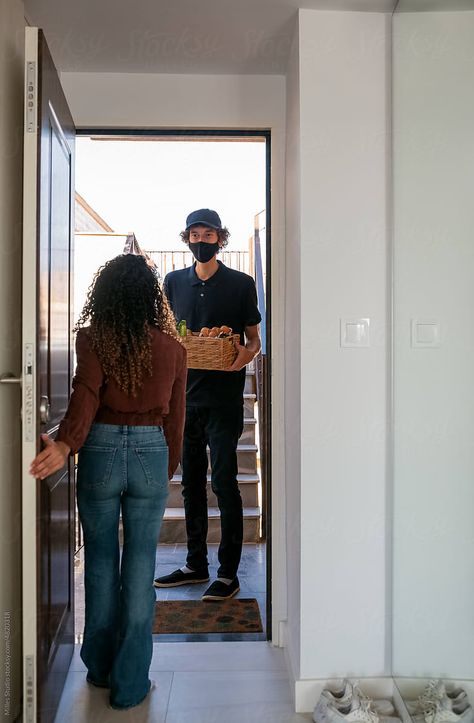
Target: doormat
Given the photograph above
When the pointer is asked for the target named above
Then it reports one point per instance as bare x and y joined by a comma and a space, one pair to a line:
237, 615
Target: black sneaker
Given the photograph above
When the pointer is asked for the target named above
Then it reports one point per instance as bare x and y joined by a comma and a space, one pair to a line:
221, 591
178, 577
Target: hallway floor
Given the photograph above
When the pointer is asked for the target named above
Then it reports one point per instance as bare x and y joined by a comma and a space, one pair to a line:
252, 577
234, 678
235, 682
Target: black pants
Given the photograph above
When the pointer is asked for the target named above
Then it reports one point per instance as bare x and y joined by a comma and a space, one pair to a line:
220, 428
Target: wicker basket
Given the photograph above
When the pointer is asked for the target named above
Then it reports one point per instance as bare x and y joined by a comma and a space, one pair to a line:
206, 352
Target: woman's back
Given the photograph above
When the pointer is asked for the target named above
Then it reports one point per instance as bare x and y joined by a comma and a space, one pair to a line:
159, 401
153, 397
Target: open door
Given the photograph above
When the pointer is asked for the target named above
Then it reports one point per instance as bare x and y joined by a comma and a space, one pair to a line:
48, 505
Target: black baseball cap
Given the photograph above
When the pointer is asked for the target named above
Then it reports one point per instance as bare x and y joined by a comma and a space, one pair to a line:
203, 217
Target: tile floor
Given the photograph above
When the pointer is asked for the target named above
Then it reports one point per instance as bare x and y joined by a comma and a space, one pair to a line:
252, 577
235, 682
233, 678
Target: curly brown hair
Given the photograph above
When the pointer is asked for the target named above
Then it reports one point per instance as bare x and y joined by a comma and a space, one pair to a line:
222, 236
123, 301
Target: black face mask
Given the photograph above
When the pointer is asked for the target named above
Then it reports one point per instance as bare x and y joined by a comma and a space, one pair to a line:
204, 252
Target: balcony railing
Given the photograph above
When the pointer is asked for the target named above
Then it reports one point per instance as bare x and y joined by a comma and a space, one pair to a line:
167, 261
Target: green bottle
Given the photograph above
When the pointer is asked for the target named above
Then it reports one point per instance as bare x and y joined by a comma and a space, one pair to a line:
182, 331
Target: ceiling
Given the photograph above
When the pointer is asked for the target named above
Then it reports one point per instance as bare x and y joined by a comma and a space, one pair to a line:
179, 36
417, 6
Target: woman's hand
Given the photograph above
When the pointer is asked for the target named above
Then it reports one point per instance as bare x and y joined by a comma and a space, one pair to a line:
50, 459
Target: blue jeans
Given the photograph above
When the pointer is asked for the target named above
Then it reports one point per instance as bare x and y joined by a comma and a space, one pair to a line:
121, 468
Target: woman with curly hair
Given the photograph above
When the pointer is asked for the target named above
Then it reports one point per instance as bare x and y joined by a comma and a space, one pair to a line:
126, 418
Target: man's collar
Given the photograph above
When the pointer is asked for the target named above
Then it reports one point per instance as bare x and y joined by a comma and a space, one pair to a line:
212, 281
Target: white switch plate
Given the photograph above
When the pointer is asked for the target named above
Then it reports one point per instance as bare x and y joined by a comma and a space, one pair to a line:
425, 333
354, 332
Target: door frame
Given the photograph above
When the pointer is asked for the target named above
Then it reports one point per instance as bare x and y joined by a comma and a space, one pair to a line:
44, 668
210, 134
29, 398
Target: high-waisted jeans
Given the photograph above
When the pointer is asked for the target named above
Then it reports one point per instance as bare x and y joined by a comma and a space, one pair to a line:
121, 469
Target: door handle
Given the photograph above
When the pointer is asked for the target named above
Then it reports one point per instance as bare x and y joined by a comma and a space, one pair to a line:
9, 378
44, 410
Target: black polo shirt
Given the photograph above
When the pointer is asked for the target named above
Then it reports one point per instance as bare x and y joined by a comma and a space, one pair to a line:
228, 297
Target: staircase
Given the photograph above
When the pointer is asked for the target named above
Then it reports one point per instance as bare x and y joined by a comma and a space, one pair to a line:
173, 528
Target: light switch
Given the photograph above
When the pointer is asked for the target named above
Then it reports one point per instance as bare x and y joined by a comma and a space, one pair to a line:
355, 332
425, 333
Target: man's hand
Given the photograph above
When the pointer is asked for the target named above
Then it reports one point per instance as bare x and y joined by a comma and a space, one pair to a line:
50, 459
245, 354
244, 357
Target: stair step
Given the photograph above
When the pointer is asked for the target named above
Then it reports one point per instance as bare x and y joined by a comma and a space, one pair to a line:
173, 528
248, 484
241, 478
251, 366
246, 458
176, 513
248, 434
250, 382
247, 448
249, 404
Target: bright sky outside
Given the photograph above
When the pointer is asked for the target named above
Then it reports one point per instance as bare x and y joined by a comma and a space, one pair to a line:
149, 187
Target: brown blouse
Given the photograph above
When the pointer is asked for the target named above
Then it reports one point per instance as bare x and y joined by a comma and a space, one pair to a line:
160, 401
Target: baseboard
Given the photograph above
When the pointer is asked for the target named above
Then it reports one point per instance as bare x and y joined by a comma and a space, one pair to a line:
289, 659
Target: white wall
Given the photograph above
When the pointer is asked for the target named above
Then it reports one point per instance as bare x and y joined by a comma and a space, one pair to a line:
11, 148
335, 256
293, 359
434, 390
343, 117
145, 100
108, 100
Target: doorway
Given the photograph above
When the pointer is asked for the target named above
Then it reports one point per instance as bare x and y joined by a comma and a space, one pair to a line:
144, 183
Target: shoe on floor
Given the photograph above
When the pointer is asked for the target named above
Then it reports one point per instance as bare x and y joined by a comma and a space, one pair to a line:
152, 687
435, 690
359, 710
178, 577
221, 590
97, 683
342, 696
445, 711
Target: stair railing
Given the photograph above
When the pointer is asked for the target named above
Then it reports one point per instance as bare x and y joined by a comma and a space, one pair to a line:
261, 360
